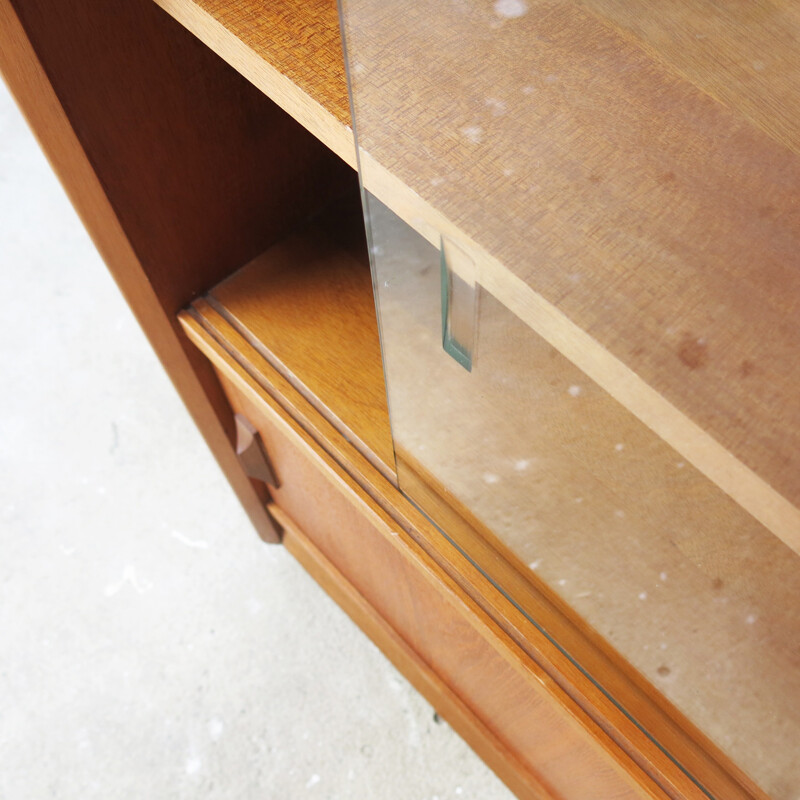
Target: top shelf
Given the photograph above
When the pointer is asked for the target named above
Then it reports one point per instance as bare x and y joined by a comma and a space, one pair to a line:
626, 185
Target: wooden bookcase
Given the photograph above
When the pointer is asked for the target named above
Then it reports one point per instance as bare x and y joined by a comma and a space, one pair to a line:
207, 147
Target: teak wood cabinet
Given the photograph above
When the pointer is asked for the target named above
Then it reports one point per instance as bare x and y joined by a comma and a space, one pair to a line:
578, 537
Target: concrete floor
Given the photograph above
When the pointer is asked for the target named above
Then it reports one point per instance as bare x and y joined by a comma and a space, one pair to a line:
150, 645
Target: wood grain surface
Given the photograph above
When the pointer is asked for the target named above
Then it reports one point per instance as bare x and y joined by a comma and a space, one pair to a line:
173, 211
562, 752
743, 54
635, 628
642, 168
424, 679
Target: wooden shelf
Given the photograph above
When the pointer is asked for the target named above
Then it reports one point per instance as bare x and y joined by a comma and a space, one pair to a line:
701, 346
306, 305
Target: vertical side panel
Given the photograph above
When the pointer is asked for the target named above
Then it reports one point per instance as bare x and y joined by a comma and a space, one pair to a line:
179, 169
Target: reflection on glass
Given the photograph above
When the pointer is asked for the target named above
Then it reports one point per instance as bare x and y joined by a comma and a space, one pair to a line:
586, 248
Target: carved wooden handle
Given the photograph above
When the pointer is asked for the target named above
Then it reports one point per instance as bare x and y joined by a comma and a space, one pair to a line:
251, 452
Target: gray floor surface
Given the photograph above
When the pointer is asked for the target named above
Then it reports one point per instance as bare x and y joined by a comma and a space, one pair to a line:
150, 645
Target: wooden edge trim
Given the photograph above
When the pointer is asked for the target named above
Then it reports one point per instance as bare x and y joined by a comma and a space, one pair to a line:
283, 392
439, 571
386, 468
477, 735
